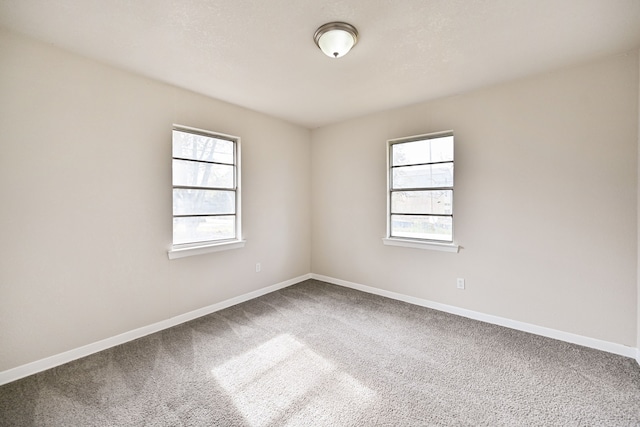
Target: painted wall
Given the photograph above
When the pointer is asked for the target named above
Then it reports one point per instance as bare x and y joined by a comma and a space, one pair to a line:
544, 202
638, 209
85, 210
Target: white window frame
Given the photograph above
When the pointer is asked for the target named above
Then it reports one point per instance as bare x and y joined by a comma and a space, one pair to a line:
198, 248
417, 243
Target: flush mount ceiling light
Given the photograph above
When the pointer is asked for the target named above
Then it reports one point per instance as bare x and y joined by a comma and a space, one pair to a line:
336, 39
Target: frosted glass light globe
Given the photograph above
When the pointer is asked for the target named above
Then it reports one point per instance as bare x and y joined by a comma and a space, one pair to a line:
336, 43
336, 39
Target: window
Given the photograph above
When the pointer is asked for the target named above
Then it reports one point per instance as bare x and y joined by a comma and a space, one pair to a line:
206, 188
420, 191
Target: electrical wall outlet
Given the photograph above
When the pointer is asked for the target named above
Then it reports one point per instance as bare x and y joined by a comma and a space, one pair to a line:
460, 283
258, 267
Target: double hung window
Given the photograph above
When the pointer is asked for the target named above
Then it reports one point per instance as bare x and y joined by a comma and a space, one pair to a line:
420, 191
206, 191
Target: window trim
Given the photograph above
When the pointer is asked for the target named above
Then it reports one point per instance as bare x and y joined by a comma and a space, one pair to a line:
181, 251
421, 244
389, 240
197, 248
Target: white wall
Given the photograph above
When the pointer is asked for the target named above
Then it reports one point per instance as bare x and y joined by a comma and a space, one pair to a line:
85, 210
544, 202
638, 209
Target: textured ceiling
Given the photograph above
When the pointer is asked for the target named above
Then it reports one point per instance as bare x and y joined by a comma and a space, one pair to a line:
261, 55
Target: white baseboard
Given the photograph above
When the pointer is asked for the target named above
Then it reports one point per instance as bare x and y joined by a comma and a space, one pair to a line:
68, 356
496, 320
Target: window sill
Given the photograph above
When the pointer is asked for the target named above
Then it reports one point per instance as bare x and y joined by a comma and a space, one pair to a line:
181, 252
417, 244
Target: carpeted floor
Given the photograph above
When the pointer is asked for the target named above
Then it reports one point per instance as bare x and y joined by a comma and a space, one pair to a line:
316, 354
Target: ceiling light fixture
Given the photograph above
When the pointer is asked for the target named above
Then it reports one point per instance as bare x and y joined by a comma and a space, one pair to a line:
336, 39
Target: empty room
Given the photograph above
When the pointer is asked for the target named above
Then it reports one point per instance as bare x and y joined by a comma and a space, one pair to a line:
319, 213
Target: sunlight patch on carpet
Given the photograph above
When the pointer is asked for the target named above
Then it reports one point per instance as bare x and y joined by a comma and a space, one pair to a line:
285, 380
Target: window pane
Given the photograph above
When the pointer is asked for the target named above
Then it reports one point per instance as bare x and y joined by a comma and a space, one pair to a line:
422, 202
199, 147
424, 151
203, 229
422, 227
198, 174
425, 176
202, 202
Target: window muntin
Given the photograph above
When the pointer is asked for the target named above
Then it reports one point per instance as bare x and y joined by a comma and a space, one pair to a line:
423, 176
191, 201
420, 196
205, 187
417, 202
191, 173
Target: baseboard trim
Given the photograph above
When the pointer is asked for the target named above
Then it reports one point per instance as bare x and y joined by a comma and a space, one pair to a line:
607, 346
22, 371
